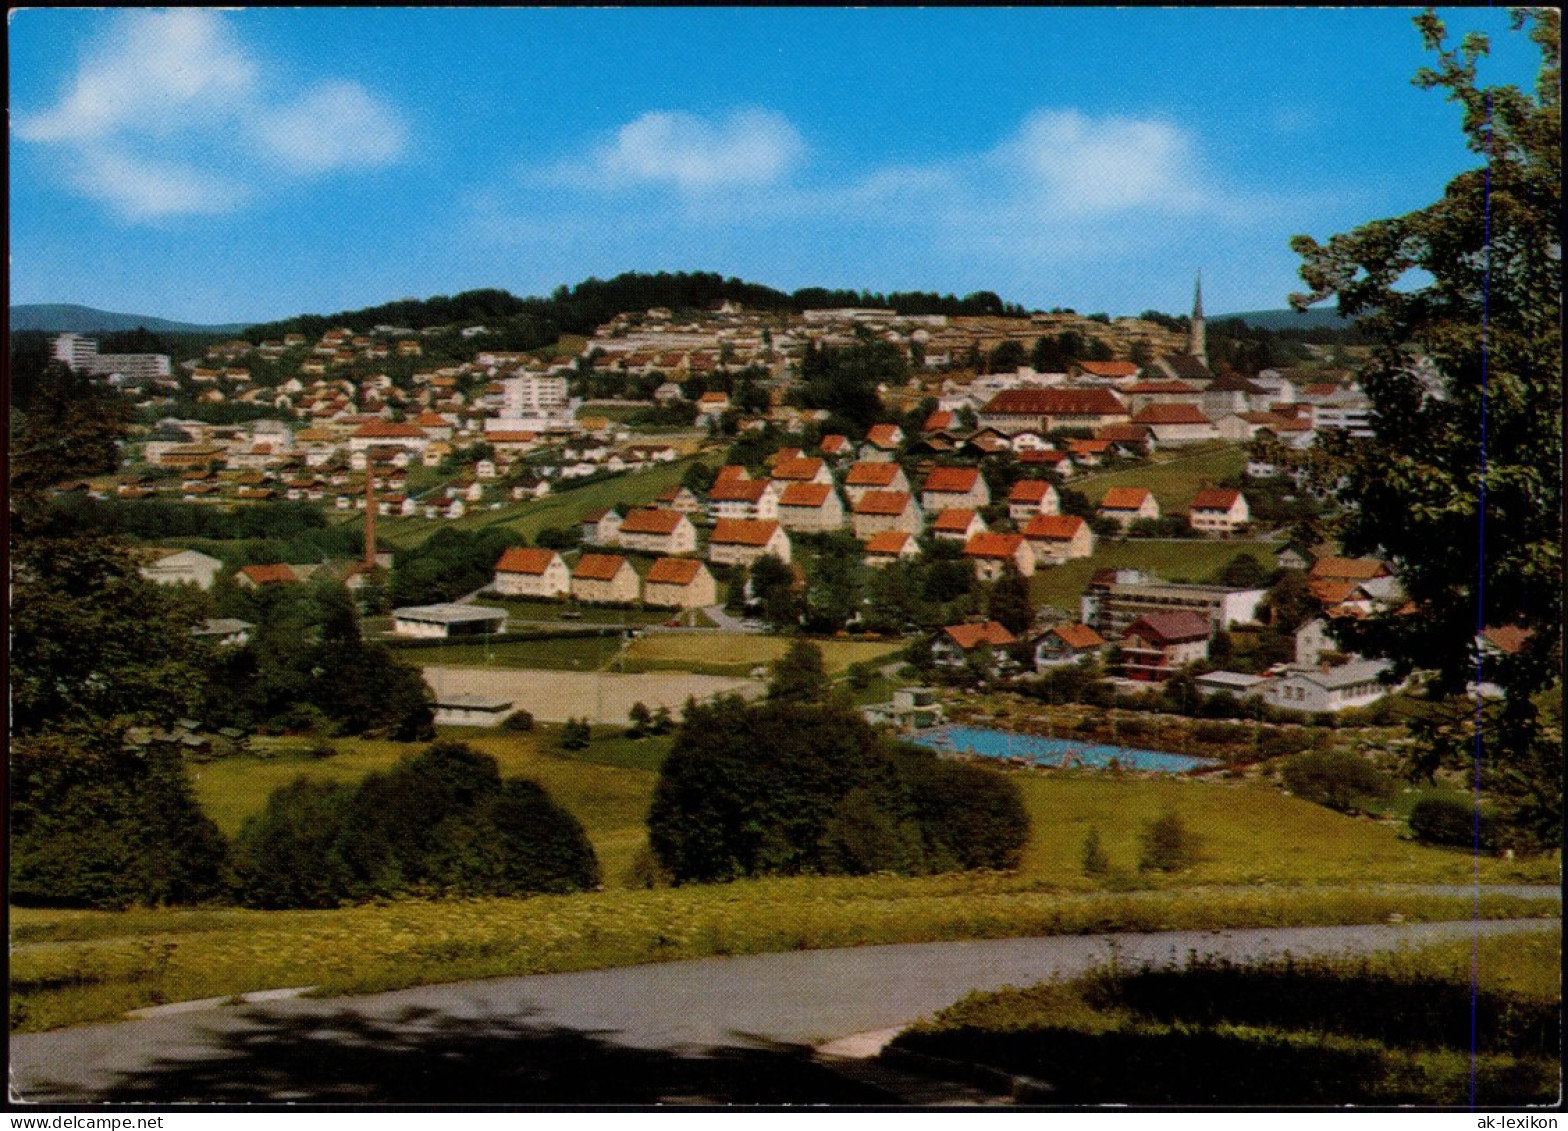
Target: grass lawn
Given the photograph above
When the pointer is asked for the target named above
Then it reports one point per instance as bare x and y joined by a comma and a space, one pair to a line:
741, 651
1196, 559
571, 653
1255, 844
1175, 476
580, 614
1437, 1025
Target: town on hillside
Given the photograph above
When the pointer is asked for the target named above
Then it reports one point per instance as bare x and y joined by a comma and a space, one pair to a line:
1034, 491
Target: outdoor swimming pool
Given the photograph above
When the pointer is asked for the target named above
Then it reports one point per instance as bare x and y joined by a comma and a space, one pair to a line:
1054, 752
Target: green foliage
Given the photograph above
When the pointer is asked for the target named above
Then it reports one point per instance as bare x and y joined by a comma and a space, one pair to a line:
1421, 491
450, 563
439, 822
795, 787
1008, 603
638, 718
799, 675
1095, 862
576, 734
518, 722
844, 379
1168, 846
1453, 822
773, 587
1244, 571
96, 825
1335, 778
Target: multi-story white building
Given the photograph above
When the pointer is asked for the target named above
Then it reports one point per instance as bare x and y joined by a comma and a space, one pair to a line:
534, 402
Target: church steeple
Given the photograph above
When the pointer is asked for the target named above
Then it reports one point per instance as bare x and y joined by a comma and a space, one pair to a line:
1196, 345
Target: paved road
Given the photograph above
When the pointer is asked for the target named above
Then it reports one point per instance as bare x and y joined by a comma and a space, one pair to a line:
713, 1030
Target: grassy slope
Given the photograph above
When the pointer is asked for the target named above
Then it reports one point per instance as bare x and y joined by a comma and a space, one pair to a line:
1175, 477
1250, 834
1188, 560
742, 649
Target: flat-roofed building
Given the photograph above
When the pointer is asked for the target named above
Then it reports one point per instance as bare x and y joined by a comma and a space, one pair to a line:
448, 620
1115, 598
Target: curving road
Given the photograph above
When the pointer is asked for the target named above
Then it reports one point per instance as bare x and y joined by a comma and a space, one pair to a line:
734, 1030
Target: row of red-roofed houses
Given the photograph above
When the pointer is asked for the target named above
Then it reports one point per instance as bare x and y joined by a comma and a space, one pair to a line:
610, 579
1214, 510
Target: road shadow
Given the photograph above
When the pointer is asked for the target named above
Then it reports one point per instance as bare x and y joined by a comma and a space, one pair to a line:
425, 1057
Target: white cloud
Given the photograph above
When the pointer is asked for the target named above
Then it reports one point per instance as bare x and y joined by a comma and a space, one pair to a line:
744, 147
170, 114
1094, 167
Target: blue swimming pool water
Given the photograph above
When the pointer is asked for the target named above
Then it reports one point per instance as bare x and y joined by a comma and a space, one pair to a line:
1055, 752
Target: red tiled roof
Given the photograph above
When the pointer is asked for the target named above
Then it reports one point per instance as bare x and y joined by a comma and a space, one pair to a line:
954, 521
1170, 628
1050, 457
1123, 433
1109, 368
521, 559
1077, 635
969, 636
738, 491
1088, 447
387, 430
1171, 414
730, 472
883, 435
1215, 499
673, 571
1054, 402
797, 469
1053, 528
1348, 569
1124, 498
952, 480
1029, 491
1147, 387
652, 520
264, 574
805, 495
883, 502
937, 421
834, 442
1507, 638
871, 474
598, 567
992, 545
743, 532
887, 542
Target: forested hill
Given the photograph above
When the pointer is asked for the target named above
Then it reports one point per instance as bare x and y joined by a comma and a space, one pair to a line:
69, 318
580, 308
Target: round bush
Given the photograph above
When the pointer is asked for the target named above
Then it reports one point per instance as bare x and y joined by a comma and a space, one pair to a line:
1450, 821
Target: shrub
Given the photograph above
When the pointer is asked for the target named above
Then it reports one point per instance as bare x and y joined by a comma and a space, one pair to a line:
787, 786
1095, 862
519, 722
576, 734
441, 821
1167, 845
96, 825
1335, 778
1451, 821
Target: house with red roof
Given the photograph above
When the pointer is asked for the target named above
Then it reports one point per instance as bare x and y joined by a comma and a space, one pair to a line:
1030, 498
958, 525
810, 508
1157, 645
679, 583
876, 511
743, 541
680, 498
743, 499
949, 488
1088, 453
1063, 644
1046, 410
957, 642
835, 446
655, 530
600, 526
882, 442
890, 546
604, 579
1127, 505
940, 421
528, 572
388, 433
1219, 510
1176, 424
991, 553
801, 470
1116, 372
255, 576
1057, 538
873, 476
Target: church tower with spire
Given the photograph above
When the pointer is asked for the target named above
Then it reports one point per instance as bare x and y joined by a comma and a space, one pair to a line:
1196, 345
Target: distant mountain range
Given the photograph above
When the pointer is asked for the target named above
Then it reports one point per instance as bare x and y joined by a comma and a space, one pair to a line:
1321, 318
68, 318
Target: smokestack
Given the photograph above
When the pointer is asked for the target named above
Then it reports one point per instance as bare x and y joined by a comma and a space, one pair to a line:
370, 512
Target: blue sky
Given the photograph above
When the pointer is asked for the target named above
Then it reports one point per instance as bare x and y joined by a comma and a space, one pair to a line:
248, 165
